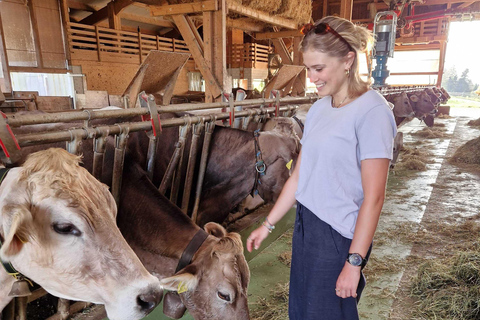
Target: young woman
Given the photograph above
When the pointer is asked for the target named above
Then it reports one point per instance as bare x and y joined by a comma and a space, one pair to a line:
339, 179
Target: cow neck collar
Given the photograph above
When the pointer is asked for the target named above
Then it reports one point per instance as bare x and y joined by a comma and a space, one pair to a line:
260, 165
191, 249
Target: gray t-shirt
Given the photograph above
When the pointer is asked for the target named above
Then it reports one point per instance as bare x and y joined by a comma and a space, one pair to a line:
334, 143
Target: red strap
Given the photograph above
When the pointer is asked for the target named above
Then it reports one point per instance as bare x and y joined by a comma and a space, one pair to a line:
7, 138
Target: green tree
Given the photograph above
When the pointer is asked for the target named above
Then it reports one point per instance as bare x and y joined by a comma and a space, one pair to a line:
464, 83
450, 78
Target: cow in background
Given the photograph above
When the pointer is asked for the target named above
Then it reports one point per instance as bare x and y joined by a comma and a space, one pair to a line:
58, 229
423, 106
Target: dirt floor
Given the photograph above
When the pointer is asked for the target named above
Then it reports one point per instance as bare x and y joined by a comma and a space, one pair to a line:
430, 217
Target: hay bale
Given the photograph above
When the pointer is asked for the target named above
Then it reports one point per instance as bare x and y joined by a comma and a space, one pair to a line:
468, 153
269, 6
448, 288
474, 123
300, 10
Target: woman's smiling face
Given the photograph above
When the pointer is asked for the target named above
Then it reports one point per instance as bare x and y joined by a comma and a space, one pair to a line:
326, 72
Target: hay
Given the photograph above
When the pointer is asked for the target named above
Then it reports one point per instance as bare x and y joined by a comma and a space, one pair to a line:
474, 123
444, 116
414, 159
286, 258
300, 10
431, 133
469, 153
449, 288
269, 6
273, 308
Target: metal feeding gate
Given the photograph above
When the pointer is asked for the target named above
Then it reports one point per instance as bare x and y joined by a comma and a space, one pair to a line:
150, 113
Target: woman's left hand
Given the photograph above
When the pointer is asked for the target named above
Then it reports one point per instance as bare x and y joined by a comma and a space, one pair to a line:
347, 282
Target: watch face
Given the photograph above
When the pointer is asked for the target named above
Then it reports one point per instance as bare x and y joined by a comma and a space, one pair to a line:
355, 259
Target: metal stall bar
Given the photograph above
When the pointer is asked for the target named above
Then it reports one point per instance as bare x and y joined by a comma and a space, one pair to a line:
118, 162
192, 159
167, 178
209, 127
99, 145
180, 165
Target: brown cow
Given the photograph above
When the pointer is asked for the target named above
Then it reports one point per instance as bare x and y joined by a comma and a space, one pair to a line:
402, 107
58, 229
142, 218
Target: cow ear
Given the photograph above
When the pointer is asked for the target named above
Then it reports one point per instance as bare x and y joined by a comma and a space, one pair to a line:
185, 280
215, 229
414, 97
18, 233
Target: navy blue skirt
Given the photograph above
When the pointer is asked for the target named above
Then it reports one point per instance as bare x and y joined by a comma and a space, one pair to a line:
318, 256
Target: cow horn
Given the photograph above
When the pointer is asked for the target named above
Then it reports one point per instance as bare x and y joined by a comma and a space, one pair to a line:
173, 306
20, 288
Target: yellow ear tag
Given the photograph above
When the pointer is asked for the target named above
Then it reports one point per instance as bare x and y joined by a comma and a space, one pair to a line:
289, 164
182, 287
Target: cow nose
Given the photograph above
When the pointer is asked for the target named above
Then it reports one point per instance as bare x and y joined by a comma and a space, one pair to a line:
149, 301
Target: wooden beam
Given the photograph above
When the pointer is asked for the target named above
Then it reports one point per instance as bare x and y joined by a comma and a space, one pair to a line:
36, 35
281, 49
96, 17
197, 35
77, 5
64, 14
465, 5
197, 54
4, 60
276, 35
346, 7
102, 14
417, 47
261, 16
325, 8
184, 8
424, 39
441, 60
114, 21
156, 21
244, 24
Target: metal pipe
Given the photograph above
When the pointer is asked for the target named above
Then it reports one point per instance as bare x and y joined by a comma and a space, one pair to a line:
209, 127
88, 133
192, 159
17, 120
151, 155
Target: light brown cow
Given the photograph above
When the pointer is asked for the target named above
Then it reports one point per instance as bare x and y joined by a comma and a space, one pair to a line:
58, 229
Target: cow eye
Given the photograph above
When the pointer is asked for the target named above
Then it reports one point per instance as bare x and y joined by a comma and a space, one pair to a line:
66, 228
224, 296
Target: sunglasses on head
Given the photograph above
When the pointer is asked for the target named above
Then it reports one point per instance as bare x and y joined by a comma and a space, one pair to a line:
324, 28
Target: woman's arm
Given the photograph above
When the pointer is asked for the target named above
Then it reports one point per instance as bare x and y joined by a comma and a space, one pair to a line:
284, 202
374, 180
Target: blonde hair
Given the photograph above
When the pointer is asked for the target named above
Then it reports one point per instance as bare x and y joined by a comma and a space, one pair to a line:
359, 38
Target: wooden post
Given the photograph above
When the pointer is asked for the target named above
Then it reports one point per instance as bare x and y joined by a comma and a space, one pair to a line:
140, 46
215, 48
441, 66
114, 21
325, 8
65, 23
346, 8
36, 35
98, 43
7, 87
300, 84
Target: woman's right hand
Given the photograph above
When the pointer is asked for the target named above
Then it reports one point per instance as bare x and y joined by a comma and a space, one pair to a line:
256, 238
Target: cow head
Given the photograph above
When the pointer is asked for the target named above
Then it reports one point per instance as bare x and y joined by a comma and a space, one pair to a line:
58, 223
401, 106
421, 103
214, 285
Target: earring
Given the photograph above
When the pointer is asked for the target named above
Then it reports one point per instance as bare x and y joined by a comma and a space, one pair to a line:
347, 72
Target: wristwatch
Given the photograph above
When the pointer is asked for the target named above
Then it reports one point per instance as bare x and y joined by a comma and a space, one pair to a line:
356, 260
